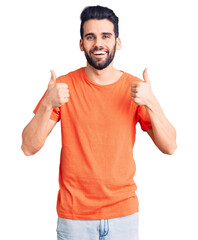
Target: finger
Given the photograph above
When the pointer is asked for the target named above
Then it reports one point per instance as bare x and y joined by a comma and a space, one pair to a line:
62, 86
133, 99
53, 77
145, 75
134, 90
66, 93
133, 93
134, 85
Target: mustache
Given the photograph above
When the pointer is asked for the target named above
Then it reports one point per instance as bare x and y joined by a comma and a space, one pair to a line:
99, 49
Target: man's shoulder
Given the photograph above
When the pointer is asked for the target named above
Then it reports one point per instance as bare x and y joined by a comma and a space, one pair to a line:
69, 76
132, 78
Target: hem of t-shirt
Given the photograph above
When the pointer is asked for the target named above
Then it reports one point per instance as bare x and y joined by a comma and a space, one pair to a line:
56, 119
97, 216
147, 128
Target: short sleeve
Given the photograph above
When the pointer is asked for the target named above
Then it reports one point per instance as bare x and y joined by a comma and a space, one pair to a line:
55, 115
143, 118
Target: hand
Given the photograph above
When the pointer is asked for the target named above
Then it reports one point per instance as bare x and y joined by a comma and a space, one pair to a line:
141, 92
57, 93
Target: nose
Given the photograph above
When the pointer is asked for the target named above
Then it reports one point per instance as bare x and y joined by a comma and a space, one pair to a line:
98, 42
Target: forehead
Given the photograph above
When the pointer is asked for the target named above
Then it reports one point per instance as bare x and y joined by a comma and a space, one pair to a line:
98, 26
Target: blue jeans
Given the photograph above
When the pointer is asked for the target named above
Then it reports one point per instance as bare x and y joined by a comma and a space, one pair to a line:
121, 228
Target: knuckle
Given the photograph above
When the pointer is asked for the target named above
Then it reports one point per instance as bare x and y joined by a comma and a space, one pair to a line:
64, 85
57, 87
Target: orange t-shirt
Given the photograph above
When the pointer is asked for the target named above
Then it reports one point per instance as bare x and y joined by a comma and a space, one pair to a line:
98, 126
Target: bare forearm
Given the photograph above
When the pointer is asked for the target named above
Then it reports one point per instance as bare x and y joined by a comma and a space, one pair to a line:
36, 132
164, 134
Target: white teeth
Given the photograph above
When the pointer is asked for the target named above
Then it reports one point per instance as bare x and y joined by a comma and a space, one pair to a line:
99, 53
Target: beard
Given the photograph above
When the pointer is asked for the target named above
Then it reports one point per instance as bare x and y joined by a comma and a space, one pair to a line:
100, 64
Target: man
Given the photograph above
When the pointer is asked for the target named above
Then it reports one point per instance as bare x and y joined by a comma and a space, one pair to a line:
99, 107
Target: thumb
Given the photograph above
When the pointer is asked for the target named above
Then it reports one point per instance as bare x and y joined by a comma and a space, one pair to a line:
145, 75
53, 78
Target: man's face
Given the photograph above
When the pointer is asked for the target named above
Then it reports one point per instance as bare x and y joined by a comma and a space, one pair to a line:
99, 43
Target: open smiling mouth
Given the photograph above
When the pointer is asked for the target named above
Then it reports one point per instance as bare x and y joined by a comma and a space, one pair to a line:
98, 53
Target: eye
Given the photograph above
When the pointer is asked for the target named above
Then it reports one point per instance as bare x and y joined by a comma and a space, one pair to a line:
90, 37
106, 36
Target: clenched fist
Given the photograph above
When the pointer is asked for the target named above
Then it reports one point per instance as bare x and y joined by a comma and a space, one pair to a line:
141, 92
57, 93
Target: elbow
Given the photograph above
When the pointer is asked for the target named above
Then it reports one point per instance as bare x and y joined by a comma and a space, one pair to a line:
27, 150
171, 149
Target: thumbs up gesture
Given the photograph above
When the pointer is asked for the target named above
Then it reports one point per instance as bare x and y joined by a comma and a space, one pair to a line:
57, 93
141, 92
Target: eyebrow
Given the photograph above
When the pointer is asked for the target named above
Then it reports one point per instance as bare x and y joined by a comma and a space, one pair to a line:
107, 33
89, 34
104, 33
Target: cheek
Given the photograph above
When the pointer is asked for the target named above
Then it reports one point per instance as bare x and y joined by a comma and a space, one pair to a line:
86, 46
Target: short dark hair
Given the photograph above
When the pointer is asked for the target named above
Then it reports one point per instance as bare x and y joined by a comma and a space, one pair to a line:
98, 12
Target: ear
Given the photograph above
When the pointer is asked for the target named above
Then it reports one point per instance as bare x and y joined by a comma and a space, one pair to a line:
118, 44
81, 45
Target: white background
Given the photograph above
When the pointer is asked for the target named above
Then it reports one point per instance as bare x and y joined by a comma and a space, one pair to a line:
40, 35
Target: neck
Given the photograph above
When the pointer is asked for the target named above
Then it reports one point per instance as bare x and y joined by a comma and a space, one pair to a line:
105, 76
